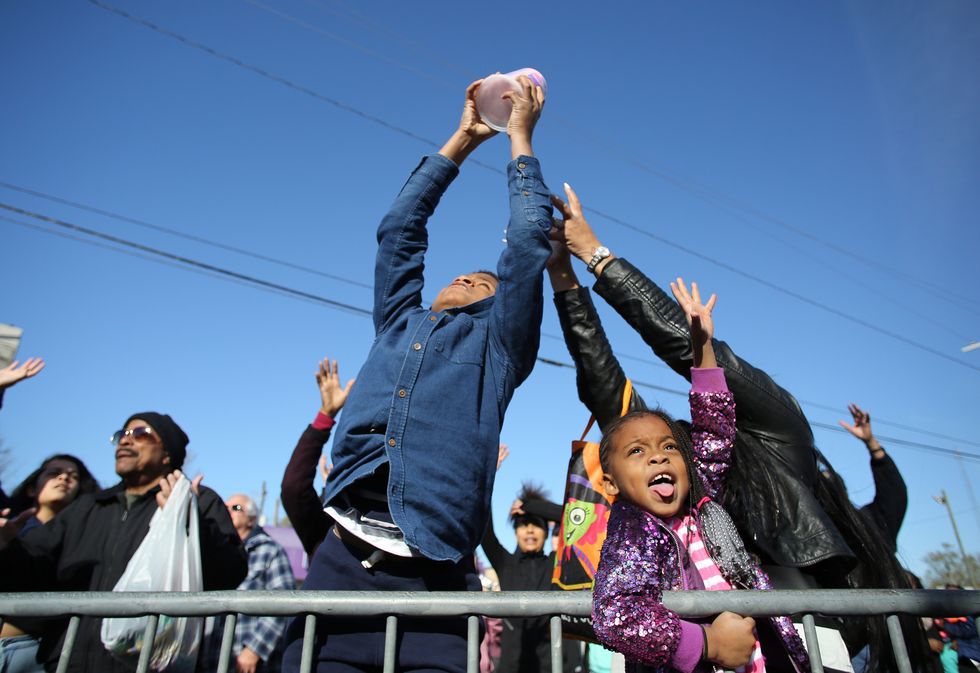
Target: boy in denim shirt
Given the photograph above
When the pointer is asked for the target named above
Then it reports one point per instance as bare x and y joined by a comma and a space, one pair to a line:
416, 448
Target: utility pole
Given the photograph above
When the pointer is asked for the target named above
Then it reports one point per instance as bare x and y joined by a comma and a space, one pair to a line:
942, 499
262, 505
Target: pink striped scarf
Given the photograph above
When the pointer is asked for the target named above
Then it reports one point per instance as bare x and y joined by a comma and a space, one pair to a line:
690, 539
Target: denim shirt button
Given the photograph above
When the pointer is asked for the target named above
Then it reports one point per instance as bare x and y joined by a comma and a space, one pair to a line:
402, 393
526, 193
432, 318
417, 346
522, 165
391, 442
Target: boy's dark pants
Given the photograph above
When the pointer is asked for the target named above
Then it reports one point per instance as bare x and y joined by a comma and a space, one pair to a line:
347, 644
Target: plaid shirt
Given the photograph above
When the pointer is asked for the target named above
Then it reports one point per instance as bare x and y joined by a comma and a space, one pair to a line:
268, 568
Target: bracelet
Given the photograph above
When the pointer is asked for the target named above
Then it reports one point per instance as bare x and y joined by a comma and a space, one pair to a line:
704, 639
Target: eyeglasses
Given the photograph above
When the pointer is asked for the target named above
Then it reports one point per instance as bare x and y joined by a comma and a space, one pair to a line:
237, 508
141, 434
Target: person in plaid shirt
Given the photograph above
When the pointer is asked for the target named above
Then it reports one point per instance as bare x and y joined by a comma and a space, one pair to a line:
258, 640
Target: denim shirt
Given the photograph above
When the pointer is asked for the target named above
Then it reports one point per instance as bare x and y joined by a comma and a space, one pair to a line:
430, 399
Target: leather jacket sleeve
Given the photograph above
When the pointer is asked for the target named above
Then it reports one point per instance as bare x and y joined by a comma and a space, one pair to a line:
764, 408
598, 374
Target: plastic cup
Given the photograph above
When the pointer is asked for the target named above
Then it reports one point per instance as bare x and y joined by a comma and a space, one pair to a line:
494, 110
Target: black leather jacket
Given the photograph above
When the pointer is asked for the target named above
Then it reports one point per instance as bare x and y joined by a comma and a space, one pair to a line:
784, 524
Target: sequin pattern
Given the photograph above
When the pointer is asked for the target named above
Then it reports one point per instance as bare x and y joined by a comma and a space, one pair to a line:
640, 561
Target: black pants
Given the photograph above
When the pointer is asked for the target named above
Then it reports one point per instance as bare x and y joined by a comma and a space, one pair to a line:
348, 644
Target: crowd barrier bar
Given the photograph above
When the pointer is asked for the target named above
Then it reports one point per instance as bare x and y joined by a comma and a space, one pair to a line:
311, 604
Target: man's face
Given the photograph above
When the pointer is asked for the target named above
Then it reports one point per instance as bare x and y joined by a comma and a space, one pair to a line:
530, 537
238, 511
141, 452
464, 290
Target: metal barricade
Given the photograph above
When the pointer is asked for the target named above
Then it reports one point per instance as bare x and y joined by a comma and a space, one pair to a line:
472, 605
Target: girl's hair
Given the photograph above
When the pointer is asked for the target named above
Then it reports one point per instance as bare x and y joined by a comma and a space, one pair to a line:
681, 430
876, 565
26, 494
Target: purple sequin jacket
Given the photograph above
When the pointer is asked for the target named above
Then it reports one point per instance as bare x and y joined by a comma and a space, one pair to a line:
641, 556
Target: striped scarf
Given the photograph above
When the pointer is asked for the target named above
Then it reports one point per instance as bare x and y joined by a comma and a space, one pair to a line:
690, 539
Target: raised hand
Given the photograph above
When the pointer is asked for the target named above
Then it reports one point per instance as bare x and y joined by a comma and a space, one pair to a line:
579, 238
517, 508
168, 482
15, 372
10, 528
333, 396
524, 114
470, 123
862, 427
502, 453
698, 320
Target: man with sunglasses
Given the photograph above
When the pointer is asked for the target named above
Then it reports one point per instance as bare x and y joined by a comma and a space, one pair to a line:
88, 546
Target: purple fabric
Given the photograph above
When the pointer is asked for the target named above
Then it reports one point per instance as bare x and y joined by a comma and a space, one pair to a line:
289, 541
690, 647
708, 380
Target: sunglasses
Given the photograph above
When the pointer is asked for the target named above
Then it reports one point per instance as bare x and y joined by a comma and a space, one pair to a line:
140, 434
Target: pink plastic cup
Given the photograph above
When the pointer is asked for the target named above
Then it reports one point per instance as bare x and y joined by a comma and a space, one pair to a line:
494, 110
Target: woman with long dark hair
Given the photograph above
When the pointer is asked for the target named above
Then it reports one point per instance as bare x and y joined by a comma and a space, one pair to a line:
45, 493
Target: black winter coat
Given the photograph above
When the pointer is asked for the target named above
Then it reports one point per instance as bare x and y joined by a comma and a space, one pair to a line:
791, 532
87, 547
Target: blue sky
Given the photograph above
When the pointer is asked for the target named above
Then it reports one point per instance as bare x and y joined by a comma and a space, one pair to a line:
823, 154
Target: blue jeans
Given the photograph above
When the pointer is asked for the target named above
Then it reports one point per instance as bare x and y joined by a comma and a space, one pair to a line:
17, 655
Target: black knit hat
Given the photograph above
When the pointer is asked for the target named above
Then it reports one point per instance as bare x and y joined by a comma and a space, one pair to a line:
174, 439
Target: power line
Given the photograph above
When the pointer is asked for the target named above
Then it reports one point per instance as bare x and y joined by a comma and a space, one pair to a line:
707, 194
293, 265
196, 265
627, 225
181, 234
188, 261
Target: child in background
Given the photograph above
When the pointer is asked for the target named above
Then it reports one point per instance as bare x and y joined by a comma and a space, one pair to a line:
667, 532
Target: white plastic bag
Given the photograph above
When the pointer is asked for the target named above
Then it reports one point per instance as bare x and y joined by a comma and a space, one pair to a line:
168, 559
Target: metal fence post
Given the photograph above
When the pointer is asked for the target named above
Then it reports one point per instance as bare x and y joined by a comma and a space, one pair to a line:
556, 662
69, 643
227, 641
898, 644
391, 642
146, 650
309, 638
812, 644
472, 644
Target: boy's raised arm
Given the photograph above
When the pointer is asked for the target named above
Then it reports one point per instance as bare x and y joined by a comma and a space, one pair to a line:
402, 236
517, 309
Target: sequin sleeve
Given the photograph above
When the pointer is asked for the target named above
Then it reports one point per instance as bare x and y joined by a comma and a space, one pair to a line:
712, 427
627, 613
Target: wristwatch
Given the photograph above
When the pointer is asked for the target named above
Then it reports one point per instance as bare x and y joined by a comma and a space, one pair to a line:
598, 255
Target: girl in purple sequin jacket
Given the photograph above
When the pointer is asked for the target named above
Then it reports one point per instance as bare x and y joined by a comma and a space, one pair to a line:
667, 532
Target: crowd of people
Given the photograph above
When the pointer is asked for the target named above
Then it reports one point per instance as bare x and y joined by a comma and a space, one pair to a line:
738, 498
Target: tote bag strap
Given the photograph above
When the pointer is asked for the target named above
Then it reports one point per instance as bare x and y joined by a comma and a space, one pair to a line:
627, 396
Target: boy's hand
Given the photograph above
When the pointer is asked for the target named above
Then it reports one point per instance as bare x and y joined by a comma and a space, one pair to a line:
332, 395
698, 320
10, 527
731, 640
862, 427
472, 130
470, 123
524, 114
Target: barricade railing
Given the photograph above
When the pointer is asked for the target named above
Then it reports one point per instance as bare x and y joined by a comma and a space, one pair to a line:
473, 605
